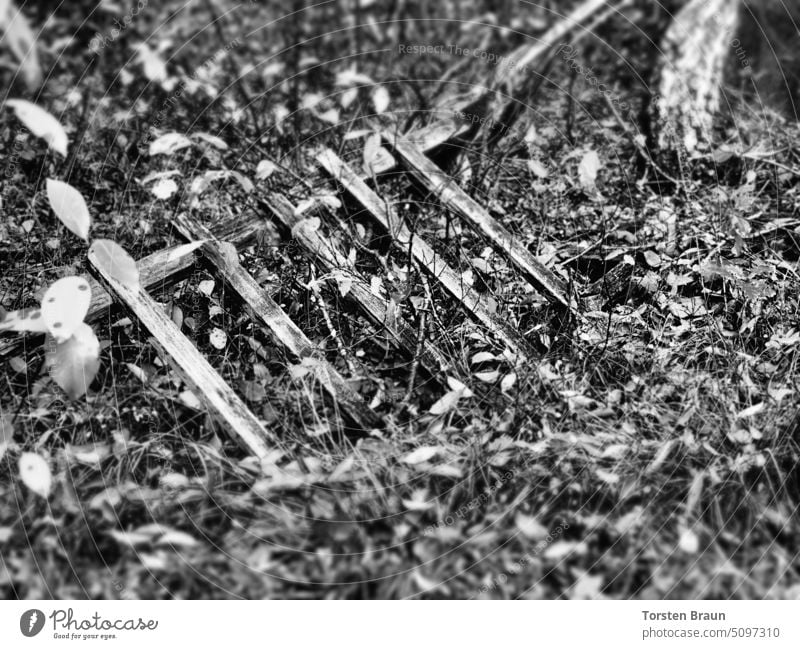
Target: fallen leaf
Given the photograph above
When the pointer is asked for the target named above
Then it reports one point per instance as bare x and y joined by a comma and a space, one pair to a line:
588, 170
74, 363
169, 143
19, 38
652, 258
65, 305
69, 207
265, 169
538, 169
688, 541
218, 338
213, 140
422, 454
380, 99
446, 403
164, 188
529, 527
153, 65
111, 258
41, 123
508, 382
35, 474
177, 539
23, 320
752, 411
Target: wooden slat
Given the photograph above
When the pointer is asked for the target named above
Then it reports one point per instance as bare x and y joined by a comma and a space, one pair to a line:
457, 200
192, 366
283, 330
426, 256
158, 270
374, 308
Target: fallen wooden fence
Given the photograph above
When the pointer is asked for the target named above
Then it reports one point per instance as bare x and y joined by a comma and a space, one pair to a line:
166, 267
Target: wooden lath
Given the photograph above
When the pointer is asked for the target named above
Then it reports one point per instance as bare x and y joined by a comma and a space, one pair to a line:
424, 254
285, 332
457, 200
192, 366
374, 308
159, 270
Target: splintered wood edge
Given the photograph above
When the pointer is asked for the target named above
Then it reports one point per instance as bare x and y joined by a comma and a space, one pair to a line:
284, 331
191, 365
433, 263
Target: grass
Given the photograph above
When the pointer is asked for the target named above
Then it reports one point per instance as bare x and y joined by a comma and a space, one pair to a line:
626, 462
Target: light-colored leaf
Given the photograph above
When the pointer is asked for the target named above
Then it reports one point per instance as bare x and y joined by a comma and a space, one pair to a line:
447, 402
372, 146
169, 143
454, 384
19, 38
652, 258
153, 65
538, 169
218, 338
41, 123
508, 382
177, 539
206, 287
69, 207
74, 364
380, 99
422, 454
35, 474
530, 527
64, 306
483, 357
752, 411
164, 188
23, 320
588, 170
688, 541
265, 169
111, 258
213, 140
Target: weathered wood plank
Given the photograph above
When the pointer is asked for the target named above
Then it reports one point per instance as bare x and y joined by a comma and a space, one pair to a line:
158, 270
192, 366
457, 200
374, 308
426, 256
285, 332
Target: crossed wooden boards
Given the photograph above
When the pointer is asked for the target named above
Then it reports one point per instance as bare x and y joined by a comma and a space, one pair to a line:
221, 399
219, 248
